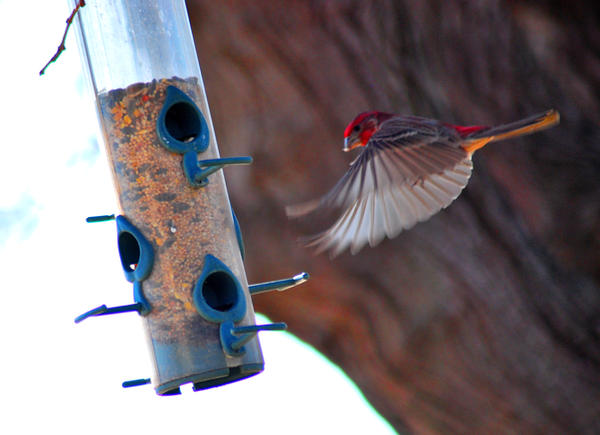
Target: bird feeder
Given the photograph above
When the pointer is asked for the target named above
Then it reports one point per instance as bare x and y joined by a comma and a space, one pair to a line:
178, 238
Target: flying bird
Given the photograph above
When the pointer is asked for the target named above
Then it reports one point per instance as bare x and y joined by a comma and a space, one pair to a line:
409, 168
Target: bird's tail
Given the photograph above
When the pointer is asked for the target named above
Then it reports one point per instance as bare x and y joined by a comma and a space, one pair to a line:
514, 129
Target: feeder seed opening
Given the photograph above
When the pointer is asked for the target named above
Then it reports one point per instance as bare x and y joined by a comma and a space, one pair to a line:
182, 122
219, 291
129, 251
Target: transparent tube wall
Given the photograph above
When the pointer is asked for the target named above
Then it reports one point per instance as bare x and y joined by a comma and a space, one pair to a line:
134, 51
137, 41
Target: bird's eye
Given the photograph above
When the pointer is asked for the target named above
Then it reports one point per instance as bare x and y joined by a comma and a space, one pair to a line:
356, 127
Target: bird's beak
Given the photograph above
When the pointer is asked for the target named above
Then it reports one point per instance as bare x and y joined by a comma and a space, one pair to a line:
346, 148
350, 145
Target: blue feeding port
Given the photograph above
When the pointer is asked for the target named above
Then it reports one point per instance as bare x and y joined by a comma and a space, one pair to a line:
136, 253
137, 258
218, 295
181, 127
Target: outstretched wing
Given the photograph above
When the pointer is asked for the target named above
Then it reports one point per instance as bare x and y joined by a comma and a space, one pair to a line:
410, 169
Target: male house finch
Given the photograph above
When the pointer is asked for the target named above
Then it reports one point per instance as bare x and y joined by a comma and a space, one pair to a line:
408, 170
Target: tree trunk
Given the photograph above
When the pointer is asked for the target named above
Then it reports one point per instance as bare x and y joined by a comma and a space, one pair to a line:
486, 318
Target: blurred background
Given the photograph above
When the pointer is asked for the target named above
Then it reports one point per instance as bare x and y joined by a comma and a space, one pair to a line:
485, 319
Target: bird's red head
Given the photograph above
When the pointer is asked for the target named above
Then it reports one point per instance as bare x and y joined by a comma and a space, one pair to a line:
360, 130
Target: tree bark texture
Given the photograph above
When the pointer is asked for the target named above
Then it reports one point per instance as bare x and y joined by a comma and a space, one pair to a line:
486, 318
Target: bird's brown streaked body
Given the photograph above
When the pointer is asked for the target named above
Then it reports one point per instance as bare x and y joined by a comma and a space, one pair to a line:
409, 169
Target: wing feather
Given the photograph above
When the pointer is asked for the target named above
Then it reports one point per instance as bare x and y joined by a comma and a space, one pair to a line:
410, 170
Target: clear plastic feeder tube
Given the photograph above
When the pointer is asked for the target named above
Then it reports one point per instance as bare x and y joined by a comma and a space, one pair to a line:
130, 41
141, 59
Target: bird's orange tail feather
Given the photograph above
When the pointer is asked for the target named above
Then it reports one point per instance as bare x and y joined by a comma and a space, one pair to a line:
514, 129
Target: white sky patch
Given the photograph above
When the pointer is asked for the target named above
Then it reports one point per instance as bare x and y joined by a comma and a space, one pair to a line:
67, 377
